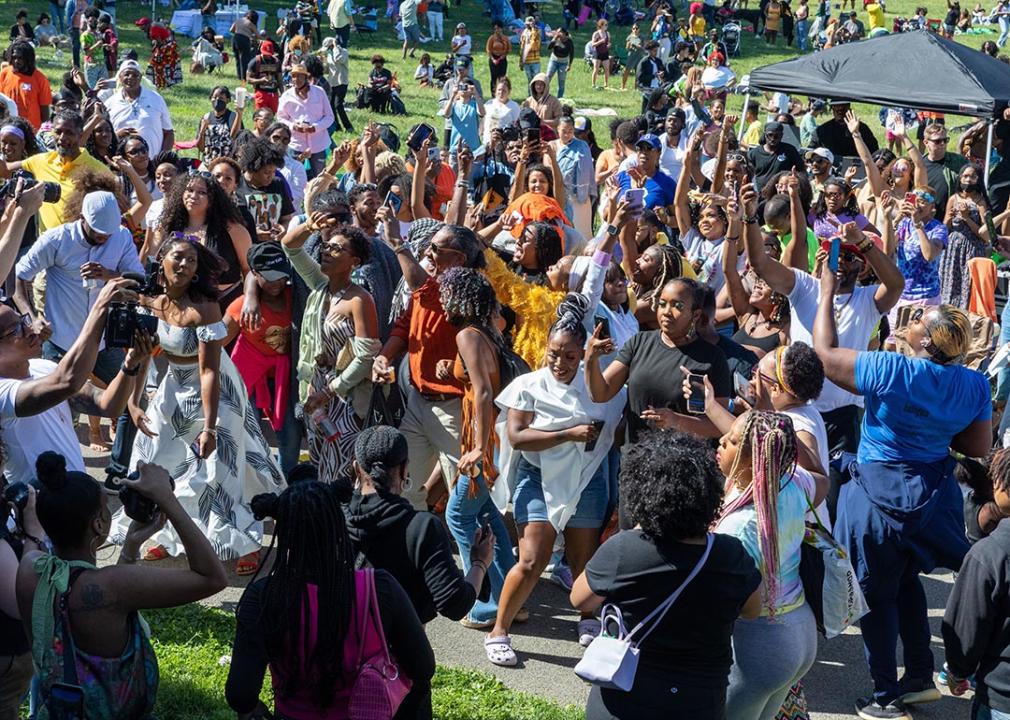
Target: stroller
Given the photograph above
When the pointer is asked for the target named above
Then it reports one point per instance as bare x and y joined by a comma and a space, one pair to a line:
731, 38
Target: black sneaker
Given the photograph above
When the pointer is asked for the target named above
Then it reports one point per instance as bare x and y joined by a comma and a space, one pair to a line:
914, 692
869, 709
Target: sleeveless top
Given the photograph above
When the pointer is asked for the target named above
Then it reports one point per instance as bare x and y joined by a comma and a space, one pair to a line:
468, 423
185, 341
765, 344
115, 688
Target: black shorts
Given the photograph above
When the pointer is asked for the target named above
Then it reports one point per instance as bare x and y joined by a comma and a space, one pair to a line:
603, 57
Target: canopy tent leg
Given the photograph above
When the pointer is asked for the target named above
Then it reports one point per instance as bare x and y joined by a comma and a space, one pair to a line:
743, 114
988, 149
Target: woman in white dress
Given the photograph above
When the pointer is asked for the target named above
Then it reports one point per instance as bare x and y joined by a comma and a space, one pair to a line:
200, 423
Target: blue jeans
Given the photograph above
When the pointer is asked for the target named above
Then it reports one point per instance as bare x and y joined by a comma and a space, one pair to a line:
463, 514
58, 18
1004, 29
531, 69
802, 27
981, 712
289, 437
559, 68
317, 163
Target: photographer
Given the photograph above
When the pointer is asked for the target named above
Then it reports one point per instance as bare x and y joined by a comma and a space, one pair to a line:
97, 617
15, 652
38, 397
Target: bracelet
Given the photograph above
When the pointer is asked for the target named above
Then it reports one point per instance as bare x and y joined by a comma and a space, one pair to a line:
733, 239
210, 431
404, 247
463, 184
128, 372
34, 539
752, 220
479, 563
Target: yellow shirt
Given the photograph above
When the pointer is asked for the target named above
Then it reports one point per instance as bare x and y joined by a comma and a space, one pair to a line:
50, 167
753, 135
697, 26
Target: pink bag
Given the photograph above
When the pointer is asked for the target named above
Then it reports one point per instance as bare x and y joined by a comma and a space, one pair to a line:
379, 688
583, 15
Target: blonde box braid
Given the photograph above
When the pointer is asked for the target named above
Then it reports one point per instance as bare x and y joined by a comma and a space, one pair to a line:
670, 268
769, 439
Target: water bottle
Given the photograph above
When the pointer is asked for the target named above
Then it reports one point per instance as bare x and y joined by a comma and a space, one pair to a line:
323, 422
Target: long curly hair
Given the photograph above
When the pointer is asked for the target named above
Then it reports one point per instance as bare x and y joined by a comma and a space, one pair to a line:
768, 441
468, 299
221, 211
89, 181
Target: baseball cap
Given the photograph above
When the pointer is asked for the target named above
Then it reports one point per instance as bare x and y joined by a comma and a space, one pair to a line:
580, 123
268, 259
462, 62
268, 48
129, 65
773, 126
460, 25
298, 69
101, 212
854, 249
816, 104
651, 140
530, 19
821, 152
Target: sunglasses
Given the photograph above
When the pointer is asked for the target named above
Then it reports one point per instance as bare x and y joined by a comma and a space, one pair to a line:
137, 151
19, 330
200, 173
917, 314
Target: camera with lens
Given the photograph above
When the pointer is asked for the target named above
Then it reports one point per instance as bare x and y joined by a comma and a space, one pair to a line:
16, 493
136, 506
52, 193
124, 320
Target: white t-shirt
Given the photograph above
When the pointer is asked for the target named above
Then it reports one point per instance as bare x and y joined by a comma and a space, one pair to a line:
498, 114
806, 419
148, 115
857, 317
154, 213
710, 253
780, 101
467, 44
28, 437
671, 160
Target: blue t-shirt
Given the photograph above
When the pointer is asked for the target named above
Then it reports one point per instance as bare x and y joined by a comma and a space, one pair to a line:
914, 407
659, 189
465, 125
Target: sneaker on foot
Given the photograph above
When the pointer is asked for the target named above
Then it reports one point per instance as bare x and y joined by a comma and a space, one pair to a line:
914, 692
562, 577
588, 629
870, 709
941, 678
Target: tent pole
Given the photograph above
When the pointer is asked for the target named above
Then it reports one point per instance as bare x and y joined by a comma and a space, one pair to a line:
988, 149
743, 114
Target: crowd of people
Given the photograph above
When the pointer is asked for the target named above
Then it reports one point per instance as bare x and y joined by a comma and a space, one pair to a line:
645, 368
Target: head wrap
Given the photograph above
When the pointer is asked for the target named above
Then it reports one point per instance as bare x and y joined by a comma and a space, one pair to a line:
13, 130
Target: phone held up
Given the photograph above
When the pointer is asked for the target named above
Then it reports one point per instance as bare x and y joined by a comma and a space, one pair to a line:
696, 401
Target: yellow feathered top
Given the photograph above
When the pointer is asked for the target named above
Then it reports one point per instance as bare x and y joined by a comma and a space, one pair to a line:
535, 307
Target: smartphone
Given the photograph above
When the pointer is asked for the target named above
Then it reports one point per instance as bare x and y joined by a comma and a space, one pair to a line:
591, 445
742, 387
434, 154
696, 401
393, 201
66, 701
911, 197
195, 448
836, 246
532, 135
602, 321
635, 196
421, 133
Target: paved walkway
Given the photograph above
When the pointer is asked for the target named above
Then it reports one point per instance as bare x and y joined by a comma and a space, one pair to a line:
548, 649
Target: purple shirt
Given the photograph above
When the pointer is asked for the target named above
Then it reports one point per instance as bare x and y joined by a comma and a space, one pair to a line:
824, 230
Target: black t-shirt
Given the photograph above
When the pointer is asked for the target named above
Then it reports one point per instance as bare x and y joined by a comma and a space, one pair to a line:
738, 358
563, 49
655, 378
834, 136
767, 164
632, 572
267, 205
942, 176
270, 66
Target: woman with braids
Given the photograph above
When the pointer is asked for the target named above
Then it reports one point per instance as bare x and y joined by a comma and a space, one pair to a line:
412, 546
113, 656
300, 619
337, 343
902, 513
650, 272
654, 364
674, 492
972, 640
766, 501
470, 305
198, 206
200, 422
554, 443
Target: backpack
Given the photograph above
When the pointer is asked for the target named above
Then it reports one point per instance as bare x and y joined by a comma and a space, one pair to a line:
510, 365
396, 105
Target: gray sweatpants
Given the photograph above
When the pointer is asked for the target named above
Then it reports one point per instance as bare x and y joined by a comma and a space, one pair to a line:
769, 657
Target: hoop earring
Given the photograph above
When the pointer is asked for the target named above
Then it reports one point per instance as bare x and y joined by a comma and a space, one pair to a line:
196, 278
407, 483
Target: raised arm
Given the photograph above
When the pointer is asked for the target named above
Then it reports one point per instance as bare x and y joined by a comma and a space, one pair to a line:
16, 216
417, 206
796, 255
560, 194
681, 202
719, 178
603, 385
839, 363
779, 278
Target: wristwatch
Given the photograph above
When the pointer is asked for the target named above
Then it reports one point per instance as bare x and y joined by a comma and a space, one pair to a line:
612, 229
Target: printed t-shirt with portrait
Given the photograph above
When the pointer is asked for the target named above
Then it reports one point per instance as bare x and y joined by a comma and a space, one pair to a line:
706, 258
267, 205
273, 335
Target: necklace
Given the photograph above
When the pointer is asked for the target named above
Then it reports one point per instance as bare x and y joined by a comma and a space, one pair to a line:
838, 310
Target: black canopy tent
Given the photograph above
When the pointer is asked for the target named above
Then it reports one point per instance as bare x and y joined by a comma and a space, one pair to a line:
917, 69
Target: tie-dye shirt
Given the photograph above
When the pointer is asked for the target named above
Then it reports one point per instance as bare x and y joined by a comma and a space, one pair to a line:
792, 508
922, 276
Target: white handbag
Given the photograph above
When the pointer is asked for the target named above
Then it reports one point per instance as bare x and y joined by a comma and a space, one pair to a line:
611, 662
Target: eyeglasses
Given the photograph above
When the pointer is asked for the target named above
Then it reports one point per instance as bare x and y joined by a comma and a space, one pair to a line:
333, 248
834, 194
770, 380
24, 324
200, 173
848, 256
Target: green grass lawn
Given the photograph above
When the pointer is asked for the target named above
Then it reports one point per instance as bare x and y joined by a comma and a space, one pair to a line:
193, 645
189, 101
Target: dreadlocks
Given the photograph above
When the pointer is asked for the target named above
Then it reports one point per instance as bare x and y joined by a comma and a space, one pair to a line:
769, 441
670, 268
312, 547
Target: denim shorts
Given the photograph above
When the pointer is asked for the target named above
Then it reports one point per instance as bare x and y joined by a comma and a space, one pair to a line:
528, 504
412, 33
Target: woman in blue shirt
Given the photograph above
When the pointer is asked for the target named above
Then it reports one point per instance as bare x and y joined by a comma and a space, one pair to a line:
464, 112
901, 513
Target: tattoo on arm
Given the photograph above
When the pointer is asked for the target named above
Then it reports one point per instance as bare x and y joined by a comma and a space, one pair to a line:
86, 401
93, 597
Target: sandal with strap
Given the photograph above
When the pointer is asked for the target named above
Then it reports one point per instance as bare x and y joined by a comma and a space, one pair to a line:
499, 651
248, 564
158, 552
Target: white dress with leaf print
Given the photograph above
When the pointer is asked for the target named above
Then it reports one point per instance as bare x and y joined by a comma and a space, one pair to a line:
216, 491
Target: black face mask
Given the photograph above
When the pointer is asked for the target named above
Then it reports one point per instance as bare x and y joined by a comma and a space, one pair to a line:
220, 104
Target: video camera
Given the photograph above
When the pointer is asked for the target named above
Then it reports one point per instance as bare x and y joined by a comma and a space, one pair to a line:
123, 317
52, 193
